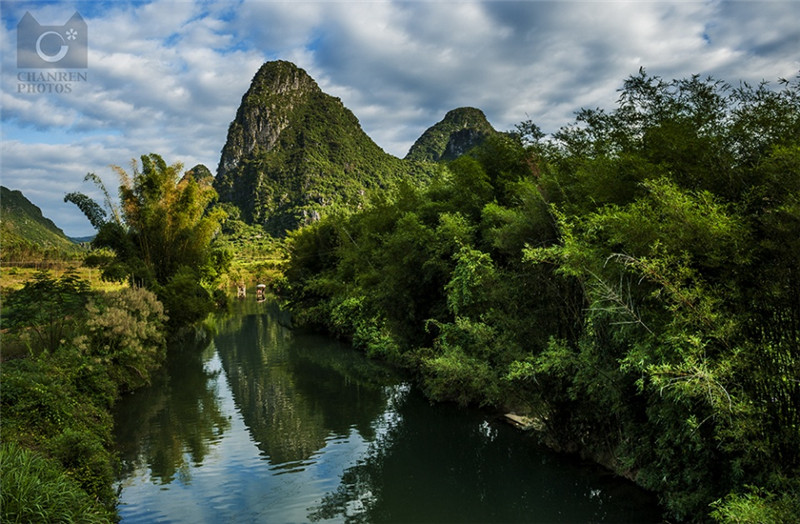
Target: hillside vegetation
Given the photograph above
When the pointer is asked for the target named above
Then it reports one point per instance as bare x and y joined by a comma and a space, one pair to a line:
459, 131
26, 235
293, 152
632, 282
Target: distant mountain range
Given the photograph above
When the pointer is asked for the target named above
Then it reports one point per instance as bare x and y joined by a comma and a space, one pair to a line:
23, 228
294, 153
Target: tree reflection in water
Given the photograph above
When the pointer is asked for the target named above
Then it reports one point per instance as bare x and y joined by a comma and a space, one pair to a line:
294, 391
439, 463
176, 420
315, 431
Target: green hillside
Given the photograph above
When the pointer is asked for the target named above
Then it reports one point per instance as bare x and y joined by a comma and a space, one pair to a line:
294, 153
459, 131
25, 232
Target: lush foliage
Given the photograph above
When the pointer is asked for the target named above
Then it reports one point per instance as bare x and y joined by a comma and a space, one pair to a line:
257, 256
633, 282
159, 236
36, 489
56, 431
461, 129
46, 310
28, 237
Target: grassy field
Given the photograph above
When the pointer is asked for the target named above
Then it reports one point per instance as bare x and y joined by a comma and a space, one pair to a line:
13, 278
257, 257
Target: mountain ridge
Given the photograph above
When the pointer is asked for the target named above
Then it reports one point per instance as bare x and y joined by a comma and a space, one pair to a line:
293, 152
24, 229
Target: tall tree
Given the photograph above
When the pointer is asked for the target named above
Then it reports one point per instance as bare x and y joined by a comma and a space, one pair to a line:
160, 234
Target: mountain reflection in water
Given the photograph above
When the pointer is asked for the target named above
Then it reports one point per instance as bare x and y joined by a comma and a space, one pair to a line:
262, 423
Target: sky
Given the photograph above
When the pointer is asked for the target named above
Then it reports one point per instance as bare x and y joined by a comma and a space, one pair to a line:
167, 76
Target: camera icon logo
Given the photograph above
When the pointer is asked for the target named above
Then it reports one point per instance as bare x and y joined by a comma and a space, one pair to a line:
47, 47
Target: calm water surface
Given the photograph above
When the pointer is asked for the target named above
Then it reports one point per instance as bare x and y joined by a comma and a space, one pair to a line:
262, 423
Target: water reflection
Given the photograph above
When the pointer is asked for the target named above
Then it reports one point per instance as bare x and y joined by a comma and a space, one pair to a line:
268, 424
436, 463
296, 390
174, 422
260, 422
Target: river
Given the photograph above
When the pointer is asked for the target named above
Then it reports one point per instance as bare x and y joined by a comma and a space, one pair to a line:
264, 423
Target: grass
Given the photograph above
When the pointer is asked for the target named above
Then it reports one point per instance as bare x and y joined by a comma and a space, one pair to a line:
36, 489
13, 278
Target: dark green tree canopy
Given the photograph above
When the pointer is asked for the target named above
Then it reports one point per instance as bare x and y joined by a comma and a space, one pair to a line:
632, 282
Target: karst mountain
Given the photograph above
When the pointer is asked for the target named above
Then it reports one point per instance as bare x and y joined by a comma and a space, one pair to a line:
294, 152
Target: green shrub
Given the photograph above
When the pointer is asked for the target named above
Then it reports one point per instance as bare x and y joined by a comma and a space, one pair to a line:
35, 489
124, 336
47, 310
757, 506
351, 319
85, 459
44, 410
454, 376
185, 300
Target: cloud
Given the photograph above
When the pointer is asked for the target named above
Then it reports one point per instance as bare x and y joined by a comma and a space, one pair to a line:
167, 77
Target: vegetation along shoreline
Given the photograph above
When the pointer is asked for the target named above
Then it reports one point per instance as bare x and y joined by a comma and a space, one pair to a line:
629, 286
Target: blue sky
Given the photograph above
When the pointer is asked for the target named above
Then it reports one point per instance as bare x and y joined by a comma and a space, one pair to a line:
167, 76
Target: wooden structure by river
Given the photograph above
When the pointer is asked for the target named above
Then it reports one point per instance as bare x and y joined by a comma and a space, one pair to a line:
261, 291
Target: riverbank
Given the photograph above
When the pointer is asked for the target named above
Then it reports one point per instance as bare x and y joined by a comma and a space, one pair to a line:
632, 281
76, 351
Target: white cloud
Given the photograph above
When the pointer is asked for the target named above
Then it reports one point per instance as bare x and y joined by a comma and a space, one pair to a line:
167, 77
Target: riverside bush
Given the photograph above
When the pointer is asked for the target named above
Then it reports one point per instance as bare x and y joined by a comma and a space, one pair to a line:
124, 335
56, 425
37, 489
633, 281
45, 411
